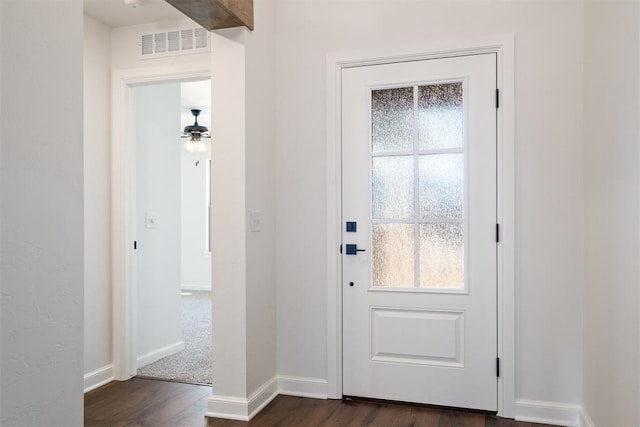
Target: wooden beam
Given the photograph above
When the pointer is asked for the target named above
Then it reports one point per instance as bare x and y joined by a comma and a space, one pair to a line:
216, 14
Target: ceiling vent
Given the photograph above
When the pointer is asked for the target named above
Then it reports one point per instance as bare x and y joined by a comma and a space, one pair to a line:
178, 41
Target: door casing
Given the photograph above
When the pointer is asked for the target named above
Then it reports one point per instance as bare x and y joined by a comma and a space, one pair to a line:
123, 174
504, 48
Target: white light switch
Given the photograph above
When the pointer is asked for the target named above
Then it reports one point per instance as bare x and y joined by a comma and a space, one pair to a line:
150, 220
256, 221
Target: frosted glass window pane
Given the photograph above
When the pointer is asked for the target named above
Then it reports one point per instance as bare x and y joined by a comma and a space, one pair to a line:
441, 256
440, 116
392, 119
441, 186
393, 255
392, 185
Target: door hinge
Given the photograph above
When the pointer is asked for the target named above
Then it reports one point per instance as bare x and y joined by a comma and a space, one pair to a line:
497, 367
135, 245
497, 98
497, 233
340, 248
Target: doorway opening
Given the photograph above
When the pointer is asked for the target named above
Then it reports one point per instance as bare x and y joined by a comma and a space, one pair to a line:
172, 256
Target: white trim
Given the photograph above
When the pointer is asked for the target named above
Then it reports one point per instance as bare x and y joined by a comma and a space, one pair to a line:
585, 419
155, 355
262, 397
536, 411
98, 378
188, 287
334, 232
504, 47
123, 203
302, 387
228, 407
506, 219
241, 409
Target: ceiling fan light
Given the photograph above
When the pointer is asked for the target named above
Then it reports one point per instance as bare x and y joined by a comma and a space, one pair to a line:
195, 145
196, 132
133, 3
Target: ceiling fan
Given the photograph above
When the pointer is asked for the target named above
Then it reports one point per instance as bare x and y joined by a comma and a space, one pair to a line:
195, 133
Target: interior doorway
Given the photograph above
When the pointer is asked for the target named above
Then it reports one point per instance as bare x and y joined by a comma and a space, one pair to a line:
172, 259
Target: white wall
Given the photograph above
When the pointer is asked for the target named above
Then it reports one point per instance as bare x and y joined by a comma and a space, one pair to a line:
42, 284
612, 228
228, 218
97, 203
244, 328
157, 259
125, 47
196, 261
41, 235
260, 163
549, 175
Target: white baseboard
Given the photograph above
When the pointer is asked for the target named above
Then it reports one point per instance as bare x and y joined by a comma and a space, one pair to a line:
302, 387
262, 397
536, 411
188, 287
158, 354
98, 378
585, 419
238, 408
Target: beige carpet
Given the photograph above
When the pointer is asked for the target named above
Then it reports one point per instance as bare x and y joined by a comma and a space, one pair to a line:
193, 364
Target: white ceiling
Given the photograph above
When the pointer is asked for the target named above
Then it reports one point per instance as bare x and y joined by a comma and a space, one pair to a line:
196, 95
115, 13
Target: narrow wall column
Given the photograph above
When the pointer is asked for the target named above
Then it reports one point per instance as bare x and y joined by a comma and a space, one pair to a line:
228, 225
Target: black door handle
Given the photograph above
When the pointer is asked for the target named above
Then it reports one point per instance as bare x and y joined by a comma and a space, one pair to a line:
353, 249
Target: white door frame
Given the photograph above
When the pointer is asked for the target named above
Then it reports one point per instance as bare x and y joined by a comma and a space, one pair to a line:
123, 172
504, 47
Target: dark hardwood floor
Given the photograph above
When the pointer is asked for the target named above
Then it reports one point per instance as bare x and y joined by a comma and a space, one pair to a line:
144, 402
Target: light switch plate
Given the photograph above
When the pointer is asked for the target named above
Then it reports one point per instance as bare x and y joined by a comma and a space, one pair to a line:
150, 220
256, 221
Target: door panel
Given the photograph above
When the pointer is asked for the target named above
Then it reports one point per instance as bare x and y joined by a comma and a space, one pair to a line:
437, 336
419, 179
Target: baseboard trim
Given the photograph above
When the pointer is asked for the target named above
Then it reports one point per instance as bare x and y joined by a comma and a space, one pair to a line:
187, 287
303, 387
536, 411
585, 419
262, 397
241, 409
98, 378
158, 354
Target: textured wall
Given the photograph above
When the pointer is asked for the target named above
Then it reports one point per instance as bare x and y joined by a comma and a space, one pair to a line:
228, 220
611, 390
42, 214
97, 203
157, 259
549, 177
260, 163
244, 307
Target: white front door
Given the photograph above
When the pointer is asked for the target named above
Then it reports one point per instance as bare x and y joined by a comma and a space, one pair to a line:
419, 231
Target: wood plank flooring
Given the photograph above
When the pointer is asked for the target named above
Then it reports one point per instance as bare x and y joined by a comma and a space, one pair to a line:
144, 402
